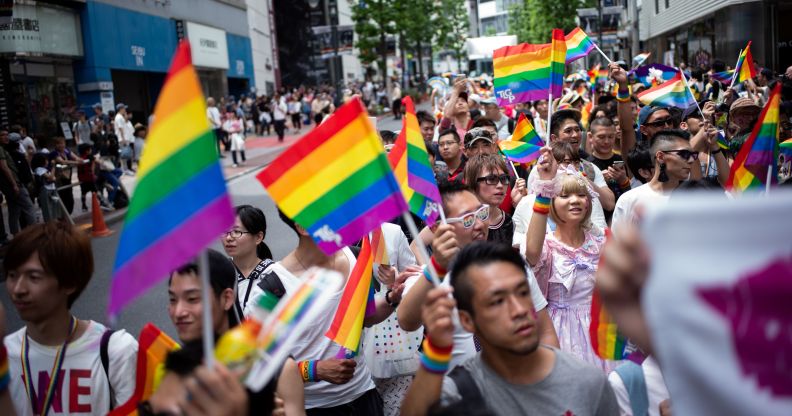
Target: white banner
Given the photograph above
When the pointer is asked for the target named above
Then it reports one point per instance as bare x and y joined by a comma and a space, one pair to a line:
208, 45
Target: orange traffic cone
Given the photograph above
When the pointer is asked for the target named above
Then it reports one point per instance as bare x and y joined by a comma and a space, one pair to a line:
99, 227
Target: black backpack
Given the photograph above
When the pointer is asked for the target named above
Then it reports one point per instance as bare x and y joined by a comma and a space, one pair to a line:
24, 173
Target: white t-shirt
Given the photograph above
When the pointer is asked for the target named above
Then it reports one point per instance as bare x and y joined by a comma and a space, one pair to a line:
213, 114
279, 109
597, 214
41, 171
84, 389
119, 124
655, 388
625, 209
314, 345
464, 348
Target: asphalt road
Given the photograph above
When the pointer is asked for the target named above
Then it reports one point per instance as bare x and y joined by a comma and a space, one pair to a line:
152, 307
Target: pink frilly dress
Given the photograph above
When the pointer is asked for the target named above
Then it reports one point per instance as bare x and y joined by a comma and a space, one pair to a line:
566, 278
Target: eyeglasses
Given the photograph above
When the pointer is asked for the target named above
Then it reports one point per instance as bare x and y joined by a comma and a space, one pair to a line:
683, 153
235, 233
661, 123
494, 179
469, 219
446, 144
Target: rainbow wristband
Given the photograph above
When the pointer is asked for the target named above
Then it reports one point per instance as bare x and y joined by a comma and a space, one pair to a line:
308, 370
435, 359
5, 377
623, 96
541, 205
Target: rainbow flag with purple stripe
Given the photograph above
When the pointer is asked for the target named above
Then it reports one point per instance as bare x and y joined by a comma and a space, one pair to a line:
786, 148
410, 162
180, 204
760, 150
725, 77
645, 74
745, 65
672, 93
524, 145
336, 181
558, 49
578, 44
522, 73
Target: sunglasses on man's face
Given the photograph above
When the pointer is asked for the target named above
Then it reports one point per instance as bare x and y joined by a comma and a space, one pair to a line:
661, 123
469, 219
684, 154
494, 179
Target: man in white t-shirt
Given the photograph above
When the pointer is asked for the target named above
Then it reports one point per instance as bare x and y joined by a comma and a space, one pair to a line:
213, 114
466, 224
48, 266
673, 159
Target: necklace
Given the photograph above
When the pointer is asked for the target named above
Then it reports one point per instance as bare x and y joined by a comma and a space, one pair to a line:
60, 356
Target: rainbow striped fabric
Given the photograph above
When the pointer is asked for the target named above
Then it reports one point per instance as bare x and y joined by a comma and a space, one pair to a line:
153, 346
357, 302
180, 204
672, 93
336, 181
722, 143
410, 162
725, 77
524, 145
578, 44
786, 148
585, 114
379, 247
593, 75
745, 65
522, 73
641, 58
760, 151
647, 74
558, 49
606, 340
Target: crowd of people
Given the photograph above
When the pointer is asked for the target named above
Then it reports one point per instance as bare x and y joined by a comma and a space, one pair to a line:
520, 254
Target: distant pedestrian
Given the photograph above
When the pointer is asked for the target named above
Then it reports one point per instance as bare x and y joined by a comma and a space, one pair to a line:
279, 110
233, 129
213, 114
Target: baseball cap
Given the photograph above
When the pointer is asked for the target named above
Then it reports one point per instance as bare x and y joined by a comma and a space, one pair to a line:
463, 94
475, 97
120, 106
489, 101
691, 112
14, 137
647, 111
477, 133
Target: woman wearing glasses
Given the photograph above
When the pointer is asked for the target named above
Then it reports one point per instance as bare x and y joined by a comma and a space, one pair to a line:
564, 260
486, 176
244, 243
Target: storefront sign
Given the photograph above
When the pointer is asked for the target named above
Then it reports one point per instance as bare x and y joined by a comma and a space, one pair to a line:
107, 100
240, 67
40, 29
139, 53
209, 47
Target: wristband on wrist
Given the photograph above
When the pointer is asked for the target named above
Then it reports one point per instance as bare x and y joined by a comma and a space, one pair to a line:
625, 184
439, 269
308, 370
5, 377
435, 359
541, 205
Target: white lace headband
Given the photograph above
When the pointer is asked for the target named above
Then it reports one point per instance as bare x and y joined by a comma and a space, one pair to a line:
552, 188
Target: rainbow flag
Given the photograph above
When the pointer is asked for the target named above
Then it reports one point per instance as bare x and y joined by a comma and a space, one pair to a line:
286, 316
725, 77
760, 151
379, 247
672, 93
336, 181
153, 346
578, 44
522, 73
641, 58
558, 49
593, 75
722, 143
745, 65
356, 303
585, 115
410, 162
180, 204
606, 340
524, 145
647, 74
786, 148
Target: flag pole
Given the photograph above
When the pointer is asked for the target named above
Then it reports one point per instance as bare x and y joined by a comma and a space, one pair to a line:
736, 72
549, 113
206, 302
769, 176
602, 53
422, 253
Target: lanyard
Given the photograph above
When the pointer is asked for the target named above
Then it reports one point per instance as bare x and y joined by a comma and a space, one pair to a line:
54, 375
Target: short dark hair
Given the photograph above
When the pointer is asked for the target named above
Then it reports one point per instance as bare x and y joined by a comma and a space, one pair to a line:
63, 251
600, 122
288, 221
450, 131
664, 137
255, 222
425, 117
479, 253
222, 274
484, 122
448, 189
639, 158
387, 136
478, 163
559, 117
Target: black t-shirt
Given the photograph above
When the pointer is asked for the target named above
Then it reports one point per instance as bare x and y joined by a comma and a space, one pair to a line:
502, 232
603, 164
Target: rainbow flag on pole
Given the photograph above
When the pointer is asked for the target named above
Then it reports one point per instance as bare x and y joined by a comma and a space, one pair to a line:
672, 93
153, 347
410, 162
336, 181
606, 340
760, 151
522, 73
578, 44
379, 247
745, 69
786, 148
524, 145
180, 204
357, 302
725, 77
558, 49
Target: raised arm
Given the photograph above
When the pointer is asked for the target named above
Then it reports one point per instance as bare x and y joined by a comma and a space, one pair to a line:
624, 109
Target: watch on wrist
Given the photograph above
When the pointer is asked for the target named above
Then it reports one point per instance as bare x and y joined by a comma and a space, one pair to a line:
387, 299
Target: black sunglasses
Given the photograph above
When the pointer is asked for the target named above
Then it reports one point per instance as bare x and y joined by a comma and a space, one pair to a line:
494, 179
660, 123
683, 153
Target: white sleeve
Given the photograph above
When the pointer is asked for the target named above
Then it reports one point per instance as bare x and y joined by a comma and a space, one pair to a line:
538, 299
619, 389
405, 255
532, 177
122, 352
599, 180
522, 218
620, 210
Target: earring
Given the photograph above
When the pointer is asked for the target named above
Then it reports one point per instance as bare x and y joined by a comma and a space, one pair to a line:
663, 177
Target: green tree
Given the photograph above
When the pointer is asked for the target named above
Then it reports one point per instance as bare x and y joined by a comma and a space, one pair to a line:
374, 22
533, 20
452, 27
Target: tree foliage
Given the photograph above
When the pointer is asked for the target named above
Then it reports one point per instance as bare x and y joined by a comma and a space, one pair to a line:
452, 26
533, 20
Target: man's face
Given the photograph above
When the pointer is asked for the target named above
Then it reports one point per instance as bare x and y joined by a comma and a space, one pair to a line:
492, 112
449, 147
461, 106
36, 294
459, 205
479, 147
541, 107
185, 306
693, 125
657, 121
60, 145
635, 110
602, 138
427, 131
677, 167
503, 313
569, 131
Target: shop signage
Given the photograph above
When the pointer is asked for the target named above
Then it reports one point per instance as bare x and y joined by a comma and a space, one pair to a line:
209, 47
40, 29
139, 53
240, 67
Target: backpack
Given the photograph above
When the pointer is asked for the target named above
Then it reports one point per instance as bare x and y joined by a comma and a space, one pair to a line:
104, 355
24, 173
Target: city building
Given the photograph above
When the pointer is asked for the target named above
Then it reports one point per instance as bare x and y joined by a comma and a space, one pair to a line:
698, 32
264, 45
